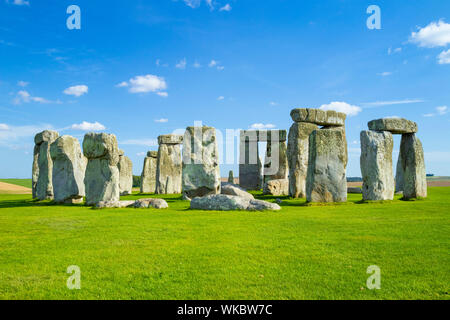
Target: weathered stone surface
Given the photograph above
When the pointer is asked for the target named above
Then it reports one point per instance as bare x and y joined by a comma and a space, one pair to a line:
276, 162
263, 135
326, 179
231, 177
298, 154
393, 125
277, 187
115, 204
354, 190
170, 139
69, 166
250, 166
413, 164
221, 202
399, 180
151, 203
148, 175
319, 117
125, 167
169, 169
35, 171
102, 175
201, 172
376, 165
44, 184
235, 190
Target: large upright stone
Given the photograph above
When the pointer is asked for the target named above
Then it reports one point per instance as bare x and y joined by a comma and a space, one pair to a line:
35, 171
169, 167
125, 167
42, 172
250, 167
201, 172
102, 175
393, 125
69, 165
319, 117
326, 179
276, 162
148, 176
298, 154
413, 165
376, 165
399, 179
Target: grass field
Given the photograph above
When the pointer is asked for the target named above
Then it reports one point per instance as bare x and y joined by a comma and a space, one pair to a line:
301, 252
19, 182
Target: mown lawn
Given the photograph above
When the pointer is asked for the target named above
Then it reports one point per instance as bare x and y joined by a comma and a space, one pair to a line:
19, 182
301, 252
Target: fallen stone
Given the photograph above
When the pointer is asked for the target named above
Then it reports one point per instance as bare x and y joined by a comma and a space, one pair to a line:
151, 203
393, 125
235, 190
115, 204
148, 175
298, 154
376, 165
326, 179
319, 117
69, 166
223, 202
277, 187
201, 172
413, 165
44, 172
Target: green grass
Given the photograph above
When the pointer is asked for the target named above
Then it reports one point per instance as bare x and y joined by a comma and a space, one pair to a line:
19, 182
301, 252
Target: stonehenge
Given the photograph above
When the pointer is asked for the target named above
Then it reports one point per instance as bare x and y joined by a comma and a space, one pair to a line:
169, 167
69, 165
42, 184
249, 161
125, 167
376, 161
275, 161
200, 170
102, 175
148, 175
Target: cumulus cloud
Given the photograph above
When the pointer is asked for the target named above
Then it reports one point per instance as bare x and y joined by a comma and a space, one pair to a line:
226, 7
444, 57
396, 50
22, 84
261, 126
436, 34
440, 111
122, 84
146, 83
4, 126
221, 98
76, 91
181, 64
344, 107
163, 120
212, 64
24, 96
88, 126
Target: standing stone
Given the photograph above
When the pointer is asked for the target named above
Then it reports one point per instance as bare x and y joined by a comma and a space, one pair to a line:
201, 172
44, 168
230, 177
298, 154
399, 180
35, 171
125, 167
69, 165
376, 165
102, 175
169, 167
276, 162
250, 167
413, 164
148, 176
326, 179
277, 187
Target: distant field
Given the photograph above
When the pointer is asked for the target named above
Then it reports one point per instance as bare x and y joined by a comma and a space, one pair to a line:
301, 252
19, 182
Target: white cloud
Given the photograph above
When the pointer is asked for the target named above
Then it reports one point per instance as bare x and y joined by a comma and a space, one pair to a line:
273, 103
389, 103
182, 64
221, 98
141, 142
163, 120
396, 50
163, 94
25, 97
436, 34
122, 84
20, 2
196, 3
262, 126
226, 7
384, 74
344, 107
147, 83
197, 65
77, 91
444, 57
22, 83
24, 134
440, 111
141, 154
220, 68
213, 63
88, 126
4, 126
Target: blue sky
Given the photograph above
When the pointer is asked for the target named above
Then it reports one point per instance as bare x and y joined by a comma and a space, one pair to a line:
139, 69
